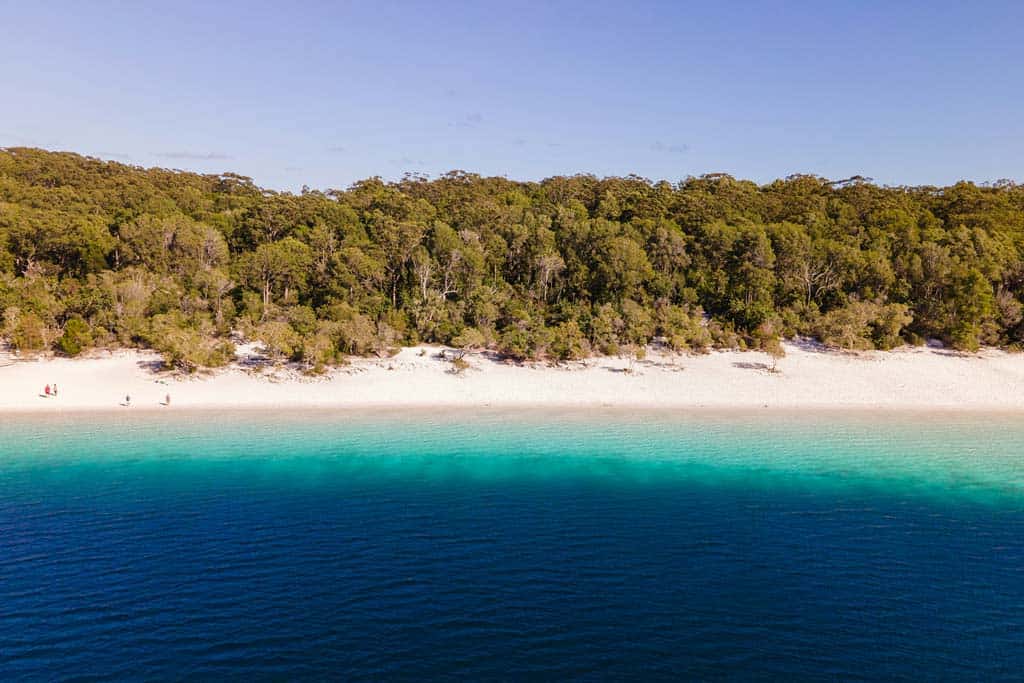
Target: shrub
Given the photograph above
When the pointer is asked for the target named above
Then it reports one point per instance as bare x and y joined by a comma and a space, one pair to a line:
26, 331
568, 342
469, 339
77, 337
459, 365
863, 325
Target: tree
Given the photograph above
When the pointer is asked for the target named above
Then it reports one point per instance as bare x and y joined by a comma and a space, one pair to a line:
767, 340
26, 331
974, 304
752, 278
848, 327
888, 324
280, 339
187, 348
76, 337
773, 347
277, 266
181, 261
318, 347
173, 243
605, 330
54, 241
620, 269
357, 335
469, 339
864, 325
569, 342
549, 266
398, 240
635, 353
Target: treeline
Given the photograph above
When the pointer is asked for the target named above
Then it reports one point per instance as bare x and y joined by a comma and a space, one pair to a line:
96, 253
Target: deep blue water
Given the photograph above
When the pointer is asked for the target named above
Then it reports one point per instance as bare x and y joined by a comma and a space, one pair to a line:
522, 546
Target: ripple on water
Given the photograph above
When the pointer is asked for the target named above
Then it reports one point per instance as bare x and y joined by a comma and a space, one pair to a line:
601, 545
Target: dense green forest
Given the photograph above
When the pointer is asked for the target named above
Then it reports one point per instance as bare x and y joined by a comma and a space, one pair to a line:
99, 254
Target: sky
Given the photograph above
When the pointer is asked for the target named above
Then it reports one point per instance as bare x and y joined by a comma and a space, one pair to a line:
326, 93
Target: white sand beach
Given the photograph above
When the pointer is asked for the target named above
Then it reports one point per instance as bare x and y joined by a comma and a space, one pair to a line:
808, 377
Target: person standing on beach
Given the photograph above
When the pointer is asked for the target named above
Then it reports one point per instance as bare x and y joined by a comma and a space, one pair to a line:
55, 390
127, 399
167, 400
46, 391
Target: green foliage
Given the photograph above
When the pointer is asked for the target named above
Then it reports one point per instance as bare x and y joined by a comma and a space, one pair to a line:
606, 329
568, 342
26, 331
280, 339
469, 339
773, 347
319, 347
767, 339
276, 268
888, 324
459, 365
76, 338
515, 343
357, 334
187, 347
862, 325
95, 252
682, 329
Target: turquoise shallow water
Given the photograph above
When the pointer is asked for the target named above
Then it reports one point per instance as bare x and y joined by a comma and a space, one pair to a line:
522, 545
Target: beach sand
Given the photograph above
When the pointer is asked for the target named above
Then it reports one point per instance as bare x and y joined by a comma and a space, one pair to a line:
808, 377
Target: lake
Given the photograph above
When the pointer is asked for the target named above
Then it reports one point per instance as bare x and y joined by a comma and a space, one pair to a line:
512, 545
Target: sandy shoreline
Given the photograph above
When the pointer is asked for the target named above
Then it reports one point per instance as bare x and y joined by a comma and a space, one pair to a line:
808, 378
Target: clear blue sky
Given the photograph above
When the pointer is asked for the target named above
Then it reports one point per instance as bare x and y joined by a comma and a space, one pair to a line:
324, 93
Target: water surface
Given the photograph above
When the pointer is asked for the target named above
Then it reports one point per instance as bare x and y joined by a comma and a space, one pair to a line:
518, 545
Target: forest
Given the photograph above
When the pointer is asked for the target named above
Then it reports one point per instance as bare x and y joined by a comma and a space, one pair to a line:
98, 254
